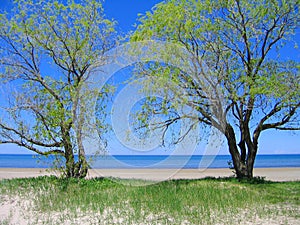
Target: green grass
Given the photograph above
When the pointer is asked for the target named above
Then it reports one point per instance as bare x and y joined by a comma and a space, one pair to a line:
107, 201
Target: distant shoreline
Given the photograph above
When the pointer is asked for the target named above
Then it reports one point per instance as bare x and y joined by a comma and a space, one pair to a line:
273, 174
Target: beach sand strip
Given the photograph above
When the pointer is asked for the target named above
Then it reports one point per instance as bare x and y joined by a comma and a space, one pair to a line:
273, 174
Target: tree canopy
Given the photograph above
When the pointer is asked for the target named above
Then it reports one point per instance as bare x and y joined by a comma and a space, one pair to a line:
48, 51
240, 42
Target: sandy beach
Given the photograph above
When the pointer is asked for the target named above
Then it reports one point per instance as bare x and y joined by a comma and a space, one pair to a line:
273, 174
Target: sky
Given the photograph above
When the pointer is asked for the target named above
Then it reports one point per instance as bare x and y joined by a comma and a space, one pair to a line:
125, 13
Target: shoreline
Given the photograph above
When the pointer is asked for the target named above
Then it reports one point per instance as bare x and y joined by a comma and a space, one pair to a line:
272, 174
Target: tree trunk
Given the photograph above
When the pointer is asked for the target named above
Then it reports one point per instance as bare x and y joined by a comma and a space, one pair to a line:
74, 169
250, 160
82, 165
70, 163
243, 167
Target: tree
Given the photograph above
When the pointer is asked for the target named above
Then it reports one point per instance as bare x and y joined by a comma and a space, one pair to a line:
48, 52
252, 88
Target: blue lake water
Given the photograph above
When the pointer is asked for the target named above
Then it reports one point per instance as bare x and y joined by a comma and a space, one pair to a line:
151, 161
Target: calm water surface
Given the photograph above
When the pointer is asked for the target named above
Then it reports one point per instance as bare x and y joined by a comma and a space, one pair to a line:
151, 161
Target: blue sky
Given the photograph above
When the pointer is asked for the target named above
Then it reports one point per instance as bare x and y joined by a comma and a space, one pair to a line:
125, 13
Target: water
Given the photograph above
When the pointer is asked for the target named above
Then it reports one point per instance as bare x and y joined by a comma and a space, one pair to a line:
152, 161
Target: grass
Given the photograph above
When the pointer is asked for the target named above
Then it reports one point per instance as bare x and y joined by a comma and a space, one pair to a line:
107, 201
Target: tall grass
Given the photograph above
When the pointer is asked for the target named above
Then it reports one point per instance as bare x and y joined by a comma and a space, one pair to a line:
107, 201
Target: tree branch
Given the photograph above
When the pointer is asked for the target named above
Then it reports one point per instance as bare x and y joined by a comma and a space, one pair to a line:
28, 139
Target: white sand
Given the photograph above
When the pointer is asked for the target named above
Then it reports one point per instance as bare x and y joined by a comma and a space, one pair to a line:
274, 174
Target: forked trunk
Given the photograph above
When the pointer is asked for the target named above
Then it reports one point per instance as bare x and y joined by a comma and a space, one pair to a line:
243, 166
81, 167
243, 169
75, 169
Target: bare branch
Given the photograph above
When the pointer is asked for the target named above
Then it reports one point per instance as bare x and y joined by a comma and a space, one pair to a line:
23, 136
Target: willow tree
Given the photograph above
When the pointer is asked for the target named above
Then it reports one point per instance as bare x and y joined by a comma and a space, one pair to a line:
48, 51
240, 42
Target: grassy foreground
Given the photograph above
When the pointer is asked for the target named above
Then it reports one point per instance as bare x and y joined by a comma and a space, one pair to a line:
50, 200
